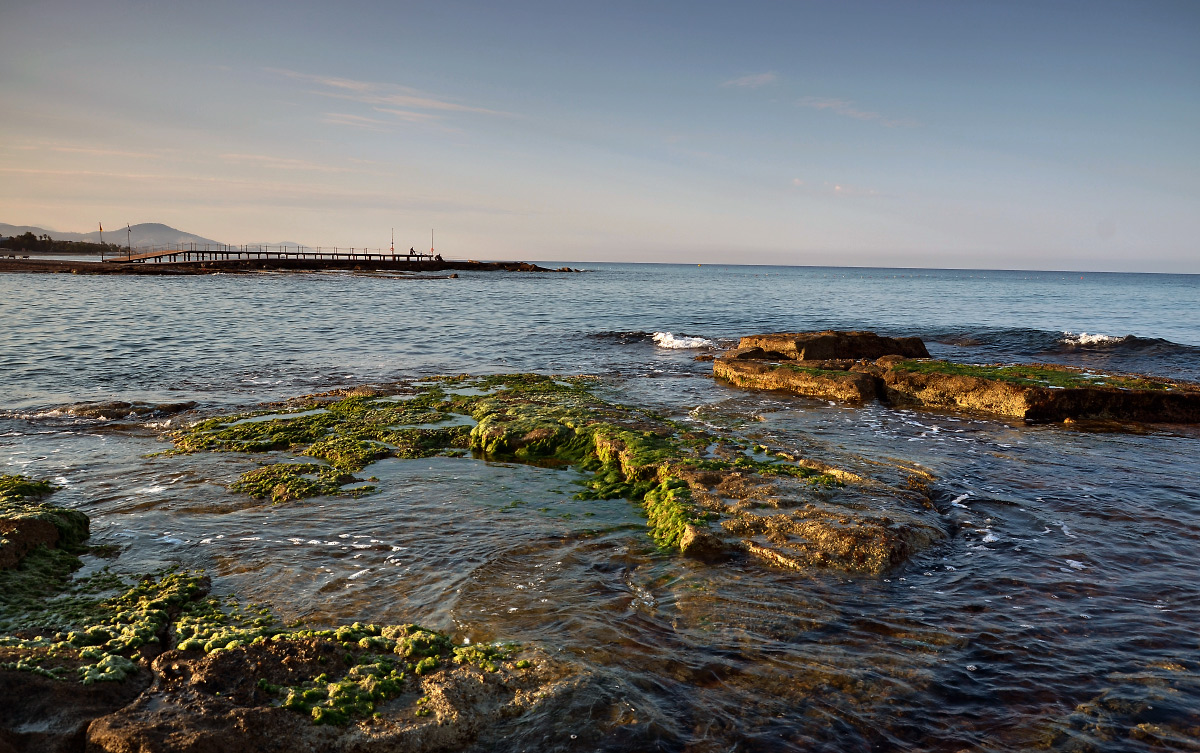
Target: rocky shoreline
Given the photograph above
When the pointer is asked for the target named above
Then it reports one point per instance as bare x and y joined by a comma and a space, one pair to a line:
160, 665
859, 367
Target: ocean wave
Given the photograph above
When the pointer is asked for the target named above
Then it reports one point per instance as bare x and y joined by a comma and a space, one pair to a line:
1083, 338
668, 340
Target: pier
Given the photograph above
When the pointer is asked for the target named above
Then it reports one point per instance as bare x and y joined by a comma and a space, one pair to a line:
196, 253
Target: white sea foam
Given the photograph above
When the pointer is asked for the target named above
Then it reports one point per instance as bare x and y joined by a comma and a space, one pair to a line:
668, 340
1083, 338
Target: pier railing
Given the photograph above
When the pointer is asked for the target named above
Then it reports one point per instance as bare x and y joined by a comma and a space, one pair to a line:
220, 251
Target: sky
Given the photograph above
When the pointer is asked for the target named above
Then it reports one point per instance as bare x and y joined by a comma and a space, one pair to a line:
1052, 134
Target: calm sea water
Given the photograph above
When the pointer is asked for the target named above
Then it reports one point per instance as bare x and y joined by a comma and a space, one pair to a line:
1062, 613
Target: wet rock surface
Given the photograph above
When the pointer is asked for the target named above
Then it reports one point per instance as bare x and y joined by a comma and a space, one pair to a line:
117, 409
217, 702
42, 714
26, 522
832, 344
1036, 393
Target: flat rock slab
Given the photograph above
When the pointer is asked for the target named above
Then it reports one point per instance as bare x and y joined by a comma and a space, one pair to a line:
827, 384
924, 385
1037, 393
831, 344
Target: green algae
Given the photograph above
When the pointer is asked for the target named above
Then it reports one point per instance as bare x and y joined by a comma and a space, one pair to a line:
105, 639
670, 511
20, 499
347, 453
382, 659
529, 418
810, 370
1034, 375
101, 637
16, 487
27, 592
283, 482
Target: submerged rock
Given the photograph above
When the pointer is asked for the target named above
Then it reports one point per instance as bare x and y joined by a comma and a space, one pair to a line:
117, 409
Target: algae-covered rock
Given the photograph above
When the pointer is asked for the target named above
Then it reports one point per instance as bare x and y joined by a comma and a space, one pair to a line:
669, 469
315, 694
820, 365
27, 523
1041, 392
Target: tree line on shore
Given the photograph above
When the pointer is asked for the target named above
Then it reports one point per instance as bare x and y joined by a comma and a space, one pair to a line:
28, 243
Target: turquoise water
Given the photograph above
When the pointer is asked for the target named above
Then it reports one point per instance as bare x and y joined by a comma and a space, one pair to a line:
1061, 613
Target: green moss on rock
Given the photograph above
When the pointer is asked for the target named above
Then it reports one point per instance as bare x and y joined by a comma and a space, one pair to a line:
284, 482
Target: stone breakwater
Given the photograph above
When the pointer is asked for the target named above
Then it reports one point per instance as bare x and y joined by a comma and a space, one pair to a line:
857, 367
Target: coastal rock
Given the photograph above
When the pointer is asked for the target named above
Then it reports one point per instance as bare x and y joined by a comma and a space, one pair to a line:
18, 537
27, 523
1013, 391
1036, 393
832, 344
702, 545
811, 381
117, 409
860, 526
43, 714
217, 703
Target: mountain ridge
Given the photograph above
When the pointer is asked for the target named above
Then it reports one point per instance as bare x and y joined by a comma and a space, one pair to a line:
143, 234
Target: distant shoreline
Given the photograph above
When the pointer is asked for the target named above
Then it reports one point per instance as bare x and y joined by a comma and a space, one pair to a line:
237, 266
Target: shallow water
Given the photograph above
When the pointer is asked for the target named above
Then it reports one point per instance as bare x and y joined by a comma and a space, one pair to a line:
1069, 578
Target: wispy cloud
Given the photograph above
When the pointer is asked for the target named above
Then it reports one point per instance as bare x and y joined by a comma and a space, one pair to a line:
355, 121
753, 81
409, 115
848, 109
282, 163
825, 188
93, 152
403, 102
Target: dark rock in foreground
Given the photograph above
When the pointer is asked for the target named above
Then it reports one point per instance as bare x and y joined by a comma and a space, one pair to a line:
1032, 392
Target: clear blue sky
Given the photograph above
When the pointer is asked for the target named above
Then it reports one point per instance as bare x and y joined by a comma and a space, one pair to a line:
946, 134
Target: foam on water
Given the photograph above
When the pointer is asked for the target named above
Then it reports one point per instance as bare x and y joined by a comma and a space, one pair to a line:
668, 340
1083, 338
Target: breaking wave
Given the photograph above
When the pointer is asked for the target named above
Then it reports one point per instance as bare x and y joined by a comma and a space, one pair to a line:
668, 340
1071, 339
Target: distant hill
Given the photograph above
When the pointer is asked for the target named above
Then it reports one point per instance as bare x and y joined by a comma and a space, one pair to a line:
144, 234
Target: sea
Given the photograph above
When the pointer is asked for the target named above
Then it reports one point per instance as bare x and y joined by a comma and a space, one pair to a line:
1062, 613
